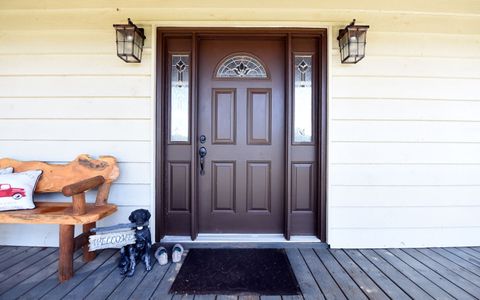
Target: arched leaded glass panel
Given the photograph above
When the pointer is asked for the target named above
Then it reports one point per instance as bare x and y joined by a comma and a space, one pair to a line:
241, 66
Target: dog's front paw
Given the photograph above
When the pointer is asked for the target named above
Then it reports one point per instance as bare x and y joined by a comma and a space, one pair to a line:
130, 273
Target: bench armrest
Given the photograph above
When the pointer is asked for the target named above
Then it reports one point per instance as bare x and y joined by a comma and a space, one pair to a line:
82, 186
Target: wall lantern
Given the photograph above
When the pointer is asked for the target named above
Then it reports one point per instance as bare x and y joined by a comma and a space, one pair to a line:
130, 41
352, 40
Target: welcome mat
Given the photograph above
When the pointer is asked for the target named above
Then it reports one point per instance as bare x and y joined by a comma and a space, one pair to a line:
236, 271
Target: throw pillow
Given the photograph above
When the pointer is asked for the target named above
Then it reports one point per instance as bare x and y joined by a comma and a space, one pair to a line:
16, 190
8, 170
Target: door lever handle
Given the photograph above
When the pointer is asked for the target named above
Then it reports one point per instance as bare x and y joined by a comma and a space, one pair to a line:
202, 152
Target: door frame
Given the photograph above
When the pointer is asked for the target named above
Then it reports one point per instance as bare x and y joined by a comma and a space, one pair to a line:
161, 120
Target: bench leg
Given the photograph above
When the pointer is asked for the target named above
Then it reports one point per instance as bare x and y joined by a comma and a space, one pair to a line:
87, 255
65, 263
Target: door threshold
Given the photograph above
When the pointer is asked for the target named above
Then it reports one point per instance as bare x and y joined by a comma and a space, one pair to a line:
240, 238
207, 240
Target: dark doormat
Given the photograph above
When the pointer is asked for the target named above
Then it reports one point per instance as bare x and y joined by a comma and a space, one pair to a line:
237, 272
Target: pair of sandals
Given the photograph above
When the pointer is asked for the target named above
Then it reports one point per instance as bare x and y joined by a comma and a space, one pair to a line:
161, 254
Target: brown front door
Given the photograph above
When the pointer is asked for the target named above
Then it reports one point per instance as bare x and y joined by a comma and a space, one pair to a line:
241, 114
241, 131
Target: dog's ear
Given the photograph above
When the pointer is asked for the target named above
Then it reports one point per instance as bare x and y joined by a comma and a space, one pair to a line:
148, 214
132, 217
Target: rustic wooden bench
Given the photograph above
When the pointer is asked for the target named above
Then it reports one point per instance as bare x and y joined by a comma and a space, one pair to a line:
73, 180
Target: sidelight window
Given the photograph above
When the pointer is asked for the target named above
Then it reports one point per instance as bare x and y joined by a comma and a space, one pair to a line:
180, 98
302, 120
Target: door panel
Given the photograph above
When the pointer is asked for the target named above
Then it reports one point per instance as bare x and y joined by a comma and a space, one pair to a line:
224, 115
259, 110
244, 121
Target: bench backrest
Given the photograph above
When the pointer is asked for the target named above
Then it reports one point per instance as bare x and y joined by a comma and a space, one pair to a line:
56, 176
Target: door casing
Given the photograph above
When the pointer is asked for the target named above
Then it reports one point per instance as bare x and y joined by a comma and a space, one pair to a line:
161, 121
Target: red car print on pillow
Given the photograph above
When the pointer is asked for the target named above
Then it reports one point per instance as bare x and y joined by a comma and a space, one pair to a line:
6, 190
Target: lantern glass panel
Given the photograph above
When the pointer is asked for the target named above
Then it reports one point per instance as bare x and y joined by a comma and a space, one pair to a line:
130, 40
352, 41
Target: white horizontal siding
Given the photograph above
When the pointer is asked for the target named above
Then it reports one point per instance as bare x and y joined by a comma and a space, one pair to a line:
404, 125
404, 142
63, 93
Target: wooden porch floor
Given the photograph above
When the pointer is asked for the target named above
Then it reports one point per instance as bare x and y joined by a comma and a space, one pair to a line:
436, 273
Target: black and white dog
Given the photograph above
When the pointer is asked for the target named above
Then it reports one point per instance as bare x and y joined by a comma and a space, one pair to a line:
142, 249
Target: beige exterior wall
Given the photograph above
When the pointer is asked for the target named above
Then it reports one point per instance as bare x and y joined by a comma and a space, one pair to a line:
404, 133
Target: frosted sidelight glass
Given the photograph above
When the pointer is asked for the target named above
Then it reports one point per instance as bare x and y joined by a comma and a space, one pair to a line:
302, 119
179, 98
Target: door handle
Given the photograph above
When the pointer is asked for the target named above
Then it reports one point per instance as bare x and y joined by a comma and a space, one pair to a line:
202, 152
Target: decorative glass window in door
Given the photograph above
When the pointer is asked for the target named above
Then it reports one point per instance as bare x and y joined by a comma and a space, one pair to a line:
302, 120
179, 98
238, 66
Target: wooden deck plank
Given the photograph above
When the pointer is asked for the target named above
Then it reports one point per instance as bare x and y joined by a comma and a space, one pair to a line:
249, 297
127, 286
34, 276
20, 258
292, 297
475, 249
30, 273
461, 282
325, 281
438, 279
94, 279
468, 251
108, 285
472, 267
25, 267
262, 298
427, 285
384, 282
10, 253
51, 282
182, 297
368, 286
308, 285
83, 271
344, 281
204, 297
161, 292
401, 280
146, 288
465, 273
229, 297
